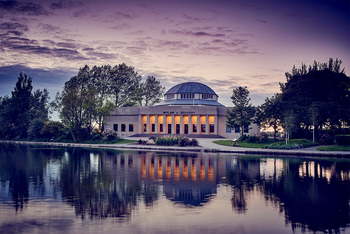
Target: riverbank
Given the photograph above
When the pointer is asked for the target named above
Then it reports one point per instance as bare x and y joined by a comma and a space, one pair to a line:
206, 145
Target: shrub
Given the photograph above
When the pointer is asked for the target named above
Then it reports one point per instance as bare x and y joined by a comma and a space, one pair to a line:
184, 142
342, 139
152, 138
194, 142
326, 139
242, 138
264, 137
284, 146
252, 139
109, 134
167, 140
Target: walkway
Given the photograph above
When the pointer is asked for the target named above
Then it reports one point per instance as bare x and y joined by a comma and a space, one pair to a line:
205, 145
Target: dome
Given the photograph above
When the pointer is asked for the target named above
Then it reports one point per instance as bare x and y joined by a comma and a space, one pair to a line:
190, 93
190, 87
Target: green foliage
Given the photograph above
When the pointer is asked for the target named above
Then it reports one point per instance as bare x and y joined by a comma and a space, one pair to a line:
167, 140
334, 148
342, 139
180, 141
153, 138
151, 91
18, 112
318, 96
194, 142
292, 144
270, 114
284, 146
109, 134
34, 131
326, 139
243, 138
184, 142
243, 112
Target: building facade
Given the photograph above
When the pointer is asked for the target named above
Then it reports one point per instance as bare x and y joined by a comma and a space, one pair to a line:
189, 108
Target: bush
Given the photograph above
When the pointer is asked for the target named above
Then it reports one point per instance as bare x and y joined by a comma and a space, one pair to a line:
184, 142
243, 138
152, 138
252, 139
342, 139
109, 134
284, 146
326, 139
167, 140
264, 137
194, 142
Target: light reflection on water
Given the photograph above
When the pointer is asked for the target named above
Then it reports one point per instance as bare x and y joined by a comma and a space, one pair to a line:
47, 190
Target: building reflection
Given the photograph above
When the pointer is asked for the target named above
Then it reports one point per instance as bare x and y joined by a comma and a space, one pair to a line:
183, 179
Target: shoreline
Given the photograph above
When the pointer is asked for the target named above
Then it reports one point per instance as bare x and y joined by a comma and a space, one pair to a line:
209, 148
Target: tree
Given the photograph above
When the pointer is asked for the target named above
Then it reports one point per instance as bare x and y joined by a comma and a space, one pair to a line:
323, 88
270, 114
20, 110
125, 85
243, 112
151, 91
77, 108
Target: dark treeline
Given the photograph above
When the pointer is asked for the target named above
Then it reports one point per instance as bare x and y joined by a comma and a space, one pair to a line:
85, 100
315, 97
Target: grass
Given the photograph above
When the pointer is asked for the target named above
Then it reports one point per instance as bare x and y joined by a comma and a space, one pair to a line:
245, 144
334, 148
304, 142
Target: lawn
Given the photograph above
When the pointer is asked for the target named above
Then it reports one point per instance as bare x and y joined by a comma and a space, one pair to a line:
334, 148
244, 144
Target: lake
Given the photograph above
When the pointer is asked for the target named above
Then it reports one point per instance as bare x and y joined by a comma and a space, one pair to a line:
76, 190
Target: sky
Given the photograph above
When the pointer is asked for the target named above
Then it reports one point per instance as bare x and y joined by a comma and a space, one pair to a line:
221, 43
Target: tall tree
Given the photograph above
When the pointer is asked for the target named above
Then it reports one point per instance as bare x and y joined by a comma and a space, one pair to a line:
19, 111
323, 88
243, 112
152, 91
270, 113
125, 85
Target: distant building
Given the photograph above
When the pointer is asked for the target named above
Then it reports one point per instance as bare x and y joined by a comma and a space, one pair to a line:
189, 108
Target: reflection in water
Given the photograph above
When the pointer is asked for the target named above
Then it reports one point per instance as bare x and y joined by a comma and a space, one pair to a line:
312, 195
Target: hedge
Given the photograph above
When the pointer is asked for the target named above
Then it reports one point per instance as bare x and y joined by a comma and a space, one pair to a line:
342, 139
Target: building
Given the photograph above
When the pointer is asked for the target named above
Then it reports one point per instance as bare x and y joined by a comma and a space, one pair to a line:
189, 108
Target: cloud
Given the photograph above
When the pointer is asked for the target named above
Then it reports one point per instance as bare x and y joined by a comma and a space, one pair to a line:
65, 5
47, 28
295, 15
195, 34
51, 79
26, 8
261, 21
101, 55
13, 26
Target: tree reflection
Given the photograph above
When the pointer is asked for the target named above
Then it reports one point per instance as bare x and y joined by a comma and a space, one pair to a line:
309, 198
92, 190
22, 167
242, 174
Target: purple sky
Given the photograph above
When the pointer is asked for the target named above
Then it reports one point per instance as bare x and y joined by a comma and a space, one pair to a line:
224, 44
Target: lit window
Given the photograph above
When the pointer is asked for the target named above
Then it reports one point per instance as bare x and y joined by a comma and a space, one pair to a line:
131, 127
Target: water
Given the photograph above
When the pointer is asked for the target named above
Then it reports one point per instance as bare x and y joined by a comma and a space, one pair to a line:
73, 190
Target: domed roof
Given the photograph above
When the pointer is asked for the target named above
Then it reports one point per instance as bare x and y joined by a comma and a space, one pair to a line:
190, 87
